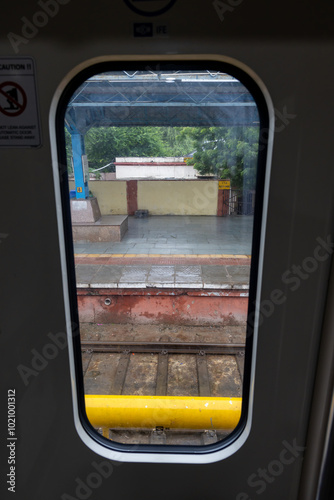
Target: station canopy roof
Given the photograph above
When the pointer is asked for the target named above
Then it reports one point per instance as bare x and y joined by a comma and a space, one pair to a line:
161, 98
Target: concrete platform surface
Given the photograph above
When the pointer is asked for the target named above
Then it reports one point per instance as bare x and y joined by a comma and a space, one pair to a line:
163, 276
107, 229
106, 220
170, 252
186, 235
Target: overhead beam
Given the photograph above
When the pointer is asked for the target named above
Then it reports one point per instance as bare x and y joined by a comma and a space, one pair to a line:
161, 104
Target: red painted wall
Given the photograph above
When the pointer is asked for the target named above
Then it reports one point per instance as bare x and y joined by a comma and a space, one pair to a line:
164, 306
131, 196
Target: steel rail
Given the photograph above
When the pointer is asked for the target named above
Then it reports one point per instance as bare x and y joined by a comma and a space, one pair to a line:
162, 347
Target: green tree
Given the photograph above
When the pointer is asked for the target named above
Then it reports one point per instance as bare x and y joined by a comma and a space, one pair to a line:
104, 144
177, 141
68, 146
226, 153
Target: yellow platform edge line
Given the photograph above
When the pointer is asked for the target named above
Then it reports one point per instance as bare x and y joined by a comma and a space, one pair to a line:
163, 411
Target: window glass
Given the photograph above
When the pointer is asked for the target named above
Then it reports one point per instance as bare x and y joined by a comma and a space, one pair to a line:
164, 198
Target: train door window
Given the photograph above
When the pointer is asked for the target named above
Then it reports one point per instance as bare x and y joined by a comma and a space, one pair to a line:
162, 190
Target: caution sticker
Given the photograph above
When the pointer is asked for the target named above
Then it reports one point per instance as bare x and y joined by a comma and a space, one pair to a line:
224, 184
19, 116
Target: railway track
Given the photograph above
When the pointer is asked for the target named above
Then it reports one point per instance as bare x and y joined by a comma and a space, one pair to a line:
163, 368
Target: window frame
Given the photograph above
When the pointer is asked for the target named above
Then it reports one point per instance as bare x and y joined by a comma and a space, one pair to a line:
158, 453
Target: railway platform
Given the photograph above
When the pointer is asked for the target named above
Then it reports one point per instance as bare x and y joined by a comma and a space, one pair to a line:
170, 251
163, 316
182, 235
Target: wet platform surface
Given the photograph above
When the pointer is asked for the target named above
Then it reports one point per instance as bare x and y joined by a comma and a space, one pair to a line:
163, 276
187, 235
170, 252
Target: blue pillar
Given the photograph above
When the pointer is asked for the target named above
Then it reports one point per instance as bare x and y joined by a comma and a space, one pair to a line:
80, 170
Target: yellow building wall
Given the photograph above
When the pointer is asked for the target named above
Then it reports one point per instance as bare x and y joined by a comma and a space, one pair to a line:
158, 197
178, 197
111, 196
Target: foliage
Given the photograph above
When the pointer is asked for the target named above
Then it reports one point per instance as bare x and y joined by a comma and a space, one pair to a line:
68, 151
226, 153
222, 152
177, 142
104, 144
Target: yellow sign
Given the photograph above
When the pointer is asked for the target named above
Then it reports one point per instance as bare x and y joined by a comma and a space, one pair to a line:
224, 184
79, 190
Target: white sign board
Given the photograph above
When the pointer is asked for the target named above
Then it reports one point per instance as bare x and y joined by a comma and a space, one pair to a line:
19, 117
85, 167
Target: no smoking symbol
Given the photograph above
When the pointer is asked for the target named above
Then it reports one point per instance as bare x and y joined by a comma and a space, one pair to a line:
13, 99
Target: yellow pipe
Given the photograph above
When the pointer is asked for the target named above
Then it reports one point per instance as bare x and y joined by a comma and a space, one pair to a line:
163, 411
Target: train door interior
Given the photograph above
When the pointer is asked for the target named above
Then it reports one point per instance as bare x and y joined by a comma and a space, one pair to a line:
287, 53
